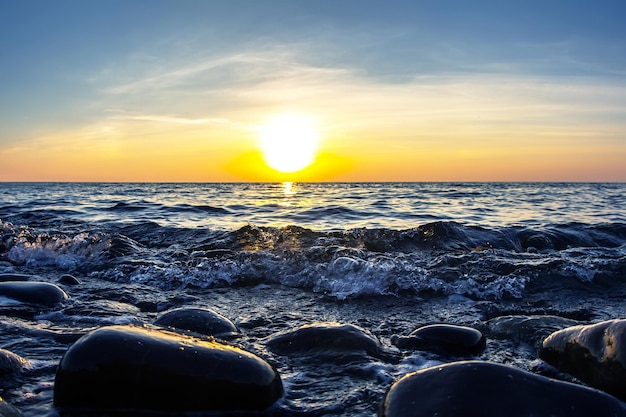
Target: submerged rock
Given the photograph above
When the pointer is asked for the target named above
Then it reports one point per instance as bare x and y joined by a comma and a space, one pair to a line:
445, 338
595, 354
140, 369
40, 293
325, 337
528, 329
10, 362
198, 320
7, 410
477, 388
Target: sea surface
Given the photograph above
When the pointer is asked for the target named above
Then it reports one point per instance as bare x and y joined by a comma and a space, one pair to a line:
387, 257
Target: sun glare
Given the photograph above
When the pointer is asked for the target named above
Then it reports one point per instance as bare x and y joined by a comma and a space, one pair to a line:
289, 143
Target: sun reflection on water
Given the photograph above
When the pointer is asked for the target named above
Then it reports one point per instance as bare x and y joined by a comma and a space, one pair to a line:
288, 193
288, 189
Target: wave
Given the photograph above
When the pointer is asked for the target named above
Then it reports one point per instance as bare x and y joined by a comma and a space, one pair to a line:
203, 209
441, 258
130, 207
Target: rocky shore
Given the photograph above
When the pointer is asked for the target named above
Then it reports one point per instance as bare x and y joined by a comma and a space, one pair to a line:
195, 359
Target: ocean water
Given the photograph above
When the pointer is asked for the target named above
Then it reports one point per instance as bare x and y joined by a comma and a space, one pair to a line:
387, 257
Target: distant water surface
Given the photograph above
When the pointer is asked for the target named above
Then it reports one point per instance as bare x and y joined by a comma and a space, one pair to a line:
319, 206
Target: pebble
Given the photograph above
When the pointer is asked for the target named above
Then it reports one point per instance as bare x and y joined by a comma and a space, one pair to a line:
446, 338
198, 320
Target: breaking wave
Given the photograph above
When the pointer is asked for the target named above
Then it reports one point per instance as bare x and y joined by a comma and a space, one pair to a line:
443, 258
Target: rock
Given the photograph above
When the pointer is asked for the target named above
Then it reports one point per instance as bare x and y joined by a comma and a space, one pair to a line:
325, 337
67, 279
14, 277
595, 354
40, 293
477, 388
141, 369
444, 338
528, 329
7, 410
10, 362
198, 320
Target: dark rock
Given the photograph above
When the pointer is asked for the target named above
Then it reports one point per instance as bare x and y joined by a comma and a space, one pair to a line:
527, 329
477, 388
67, 279
7, 410
140, 369
330, 337
198, 320
40, 293
595, 354
444, 338
10, 362
14, 277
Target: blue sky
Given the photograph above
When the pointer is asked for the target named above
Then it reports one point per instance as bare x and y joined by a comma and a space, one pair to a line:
376, 73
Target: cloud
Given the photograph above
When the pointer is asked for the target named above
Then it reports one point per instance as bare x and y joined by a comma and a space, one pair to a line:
169, 119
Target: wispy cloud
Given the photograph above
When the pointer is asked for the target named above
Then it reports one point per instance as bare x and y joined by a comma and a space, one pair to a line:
169, 119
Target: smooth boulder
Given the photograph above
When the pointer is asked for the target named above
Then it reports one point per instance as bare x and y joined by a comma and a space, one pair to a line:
478, 388
595, 354
198, 320
38, 293
444, 338
325, 337
144, 369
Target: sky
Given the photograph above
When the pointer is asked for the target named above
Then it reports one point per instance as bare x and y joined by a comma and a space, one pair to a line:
421, 90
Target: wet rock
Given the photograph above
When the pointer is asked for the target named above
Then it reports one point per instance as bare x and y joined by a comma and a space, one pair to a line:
198, 320
10, 362
527, 329
39, 293
477, 388
325, 337
141, 369
595, 354
14, 277
67, 279
7, 410
445, 338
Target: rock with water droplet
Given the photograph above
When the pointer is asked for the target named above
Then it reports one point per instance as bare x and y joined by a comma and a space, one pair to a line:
198, 320
478, 388
37, 293
444, 338
148, 370
595, 354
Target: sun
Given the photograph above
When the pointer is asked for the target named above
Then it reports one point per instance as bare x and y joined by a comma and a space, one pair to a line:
289, 143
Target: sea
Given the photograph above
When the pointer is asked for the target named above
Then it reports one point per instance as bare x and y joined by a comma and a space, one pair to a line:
513, 260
